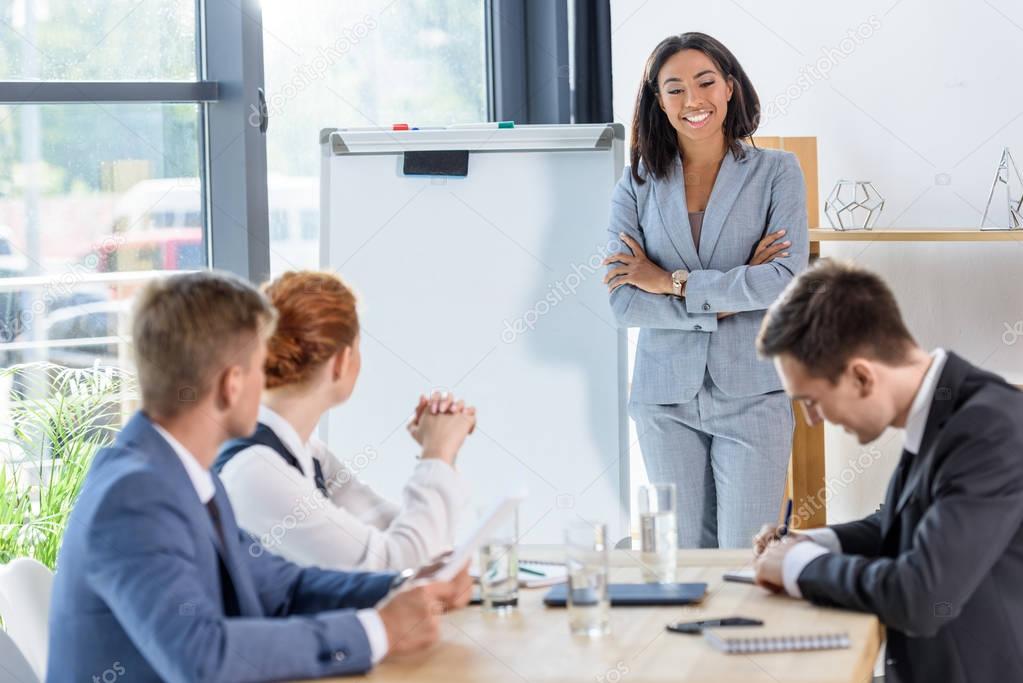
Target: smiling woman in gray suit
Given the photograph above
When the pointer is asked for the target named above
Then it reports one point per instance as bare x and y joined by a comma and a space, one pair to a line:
712, 230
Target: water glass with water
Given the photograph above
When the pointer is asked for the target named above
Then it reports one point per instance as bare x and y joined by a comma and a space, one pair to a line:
499, 568
658, 530
586, 562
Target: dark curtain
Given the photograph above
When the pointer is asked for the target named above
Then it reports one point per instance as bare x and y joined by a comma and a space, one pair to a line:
593, 61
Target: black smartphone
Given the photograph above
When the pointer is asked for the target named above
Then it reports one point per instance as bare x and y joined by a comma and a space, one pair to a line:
696, 627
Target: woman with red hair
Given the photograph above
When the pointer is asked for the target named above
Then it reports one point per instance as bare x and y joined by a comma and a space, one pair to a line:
290, 492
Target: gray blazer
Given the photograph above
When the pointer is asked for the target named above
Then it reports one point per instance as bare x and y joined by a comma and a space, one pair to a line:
679, 338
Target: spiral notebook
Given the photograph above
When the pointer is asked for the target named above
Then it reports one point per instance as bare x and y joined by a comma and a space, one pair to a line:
749, 644
534, 574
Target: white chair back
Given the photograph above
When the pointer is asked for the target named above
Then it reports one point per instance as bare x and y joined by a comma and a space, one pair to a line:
25, 587
13, 667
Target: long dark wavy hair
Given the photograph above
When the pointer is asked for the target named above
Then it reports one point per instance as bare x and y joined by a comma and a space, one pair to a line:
654, 140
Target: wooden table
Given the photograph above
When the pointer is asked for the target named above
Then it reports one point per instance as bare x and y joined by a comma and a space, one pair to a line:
534, 644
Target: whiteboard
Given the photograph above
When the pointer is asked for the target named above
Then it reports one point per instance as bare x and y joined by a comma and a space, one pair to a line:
490, 286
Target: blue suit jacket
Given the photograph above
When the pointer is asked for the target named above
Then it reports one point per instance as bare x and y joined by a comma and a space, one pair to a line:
138, 585
681, 338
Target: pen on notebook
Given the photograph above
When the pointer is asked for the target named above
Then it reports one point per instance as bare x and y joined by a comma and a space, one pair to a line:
788, 520
529, 570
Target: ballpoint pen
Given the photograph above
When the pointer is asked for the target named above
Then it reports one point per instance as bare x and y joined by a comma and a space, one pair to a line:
788, 520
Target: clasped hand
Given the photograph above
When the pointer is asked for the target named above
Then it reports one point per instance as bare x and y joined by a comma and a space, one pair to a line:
440, 424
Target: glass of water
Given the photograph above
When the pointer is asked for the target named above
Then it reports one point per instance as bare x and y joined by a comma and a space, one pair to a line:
586, 560
499, 567
658, 532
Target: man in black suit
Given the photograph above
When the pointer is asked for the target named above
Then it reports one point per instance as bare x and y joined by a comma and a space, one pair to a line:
941, 564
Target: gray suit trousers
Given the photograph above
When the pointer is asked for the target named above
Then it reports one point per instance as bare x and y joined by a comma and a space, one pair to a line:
727, 456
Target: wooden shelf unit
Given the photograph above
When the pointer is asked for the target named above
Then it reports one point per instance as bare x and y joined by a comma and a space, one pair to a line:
806, 480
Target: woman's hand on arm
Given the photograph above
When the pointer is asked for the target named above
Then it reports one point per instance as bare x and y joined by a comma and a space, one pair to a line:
768, 249
636, 269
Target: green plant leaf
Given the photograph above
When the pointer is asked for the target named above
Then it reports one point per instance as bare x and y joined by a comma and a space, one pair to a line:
59, 418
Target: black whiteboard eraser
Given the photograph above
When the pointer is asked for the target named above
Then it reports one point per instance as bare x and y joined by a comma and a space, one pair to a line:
438, 162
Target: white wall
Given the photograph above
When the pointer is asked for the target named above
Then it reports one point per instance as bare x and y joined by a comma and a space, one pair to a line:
917, 96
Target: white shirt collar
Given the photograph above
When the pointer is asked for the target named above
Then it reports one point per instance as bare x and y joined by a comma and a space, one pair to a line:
287, 434
916, 421
201, 478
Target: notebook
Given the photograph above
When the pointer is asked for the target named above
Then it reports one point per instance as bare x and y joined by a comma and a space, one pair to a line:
539, 574
638, 594
767, 642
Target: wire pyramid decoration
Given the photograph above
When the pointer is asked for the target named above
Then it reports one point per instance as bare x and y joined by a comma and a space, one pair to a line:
1004, 208
853, 205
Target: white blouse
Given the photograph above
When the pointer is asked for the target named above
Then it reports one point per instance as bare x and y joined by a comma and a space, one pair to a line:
353, 528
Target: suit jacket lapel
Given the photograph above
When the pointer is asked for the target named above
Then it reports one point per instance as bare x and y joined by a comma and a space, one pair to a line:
670, 197
139, 434
944, 402
728, 184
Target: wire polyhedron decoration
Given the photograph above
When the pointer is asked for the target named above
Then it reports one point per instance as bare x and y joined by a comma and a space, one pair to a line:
853, 205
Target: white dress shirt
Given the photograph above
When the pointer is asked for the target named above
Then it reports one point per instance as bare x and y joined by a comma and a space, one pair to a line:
825, 540
201, 478
353, 528
202, 481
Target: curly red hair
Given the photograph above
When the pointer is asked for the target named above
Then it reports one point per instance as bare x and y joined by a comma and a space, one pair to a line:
316, 318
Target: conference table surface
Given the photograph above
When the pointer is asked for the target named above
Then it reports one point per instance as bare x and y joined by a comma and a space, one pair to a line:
533, 643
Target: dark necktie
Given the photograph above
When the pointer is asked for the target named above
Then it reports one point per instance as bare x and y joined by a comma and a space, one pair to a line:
902, 472
890, 542
318, 478
230, 598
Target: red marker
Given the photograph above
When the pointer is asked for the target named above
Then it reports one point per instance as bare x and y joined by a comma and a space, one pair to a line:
399, 126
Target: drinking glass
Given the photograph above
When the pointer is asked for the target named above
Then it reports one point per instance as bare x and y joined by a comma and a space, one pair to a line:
586, 561
658, 532
499, 567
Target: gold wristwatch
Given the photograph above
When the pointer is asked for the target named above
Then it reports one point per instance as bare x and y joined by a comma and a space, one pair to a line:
678, 281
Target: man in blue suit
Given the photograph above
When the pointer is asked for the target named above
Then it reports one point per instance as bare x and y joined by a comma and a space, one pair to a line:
154, 577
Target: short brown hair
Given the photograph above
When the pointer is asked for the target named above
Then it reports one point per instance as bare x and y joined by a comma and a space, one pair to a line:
832, 312
316, 318
187, 328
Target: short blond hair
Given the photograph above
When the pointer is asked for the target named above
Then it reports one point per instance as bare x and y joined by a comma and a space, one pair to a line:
187, 328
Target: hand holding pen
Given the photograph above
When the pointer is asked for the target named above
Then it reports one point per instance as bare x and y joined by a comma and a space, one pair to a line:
773, 533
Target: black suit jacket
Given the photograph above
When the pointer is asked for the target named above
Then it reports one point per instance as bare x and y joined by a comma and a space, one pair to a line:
942, 563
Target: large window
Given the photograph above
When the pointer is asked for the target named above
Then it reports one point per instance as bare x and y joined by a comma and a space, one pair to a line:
104, 148
98, 40
353, 64
95, 196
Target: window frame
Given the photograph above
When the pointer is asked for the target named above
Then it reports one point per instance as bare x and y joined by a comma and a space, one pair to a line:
229, 97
